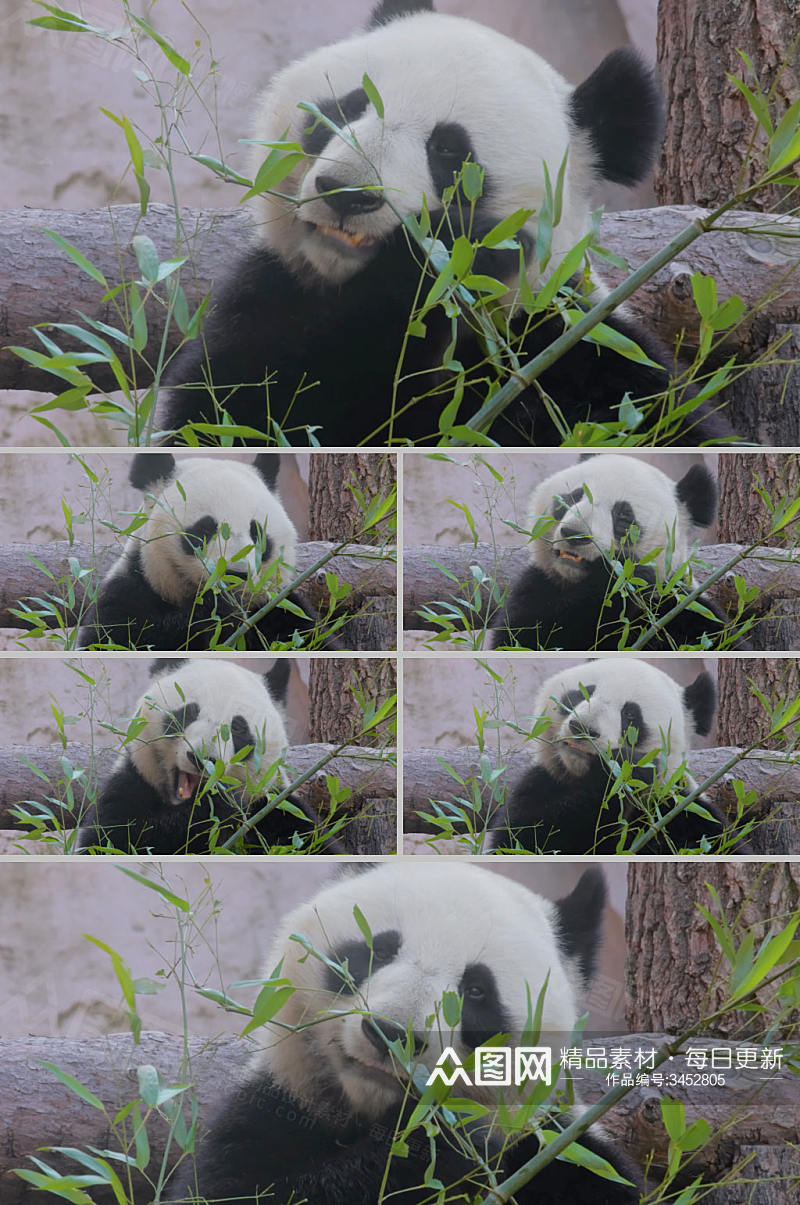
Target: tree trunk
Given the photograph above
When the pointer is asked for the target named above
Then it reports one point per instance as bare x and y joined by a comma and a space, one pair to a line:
741, 713
337, 687
339, 490
707, 150
675, 971
744, 517
713, 147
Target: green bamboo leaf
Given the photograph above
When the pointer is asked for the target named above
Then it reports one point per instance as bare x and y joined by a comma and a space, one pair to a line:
177, 60
373, 95
77, 257
75, 1086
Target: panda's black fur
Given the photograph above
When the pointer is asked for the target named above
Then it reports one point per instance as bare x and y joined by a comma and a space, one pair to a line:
606, 510
154, 596
313, 1123
327, 342
155, 801
624, 709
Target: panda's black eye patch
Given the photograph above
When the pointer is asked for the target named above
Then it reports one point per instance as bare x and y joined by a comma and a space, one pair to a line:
260, 538
623, 519
563, 502
447, 148
569, 701
197, 536
482, 1013
241, 734
179, 720
631, 717
356, 954
341, 110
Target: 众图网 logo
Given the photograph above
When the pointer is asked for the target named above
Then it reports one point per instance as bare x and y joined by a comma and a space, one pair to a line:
495, 1066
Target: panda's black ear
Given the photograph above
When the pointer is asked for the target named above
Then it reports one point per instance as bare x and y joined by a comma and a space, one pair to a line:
267, 465
149, 467
277, 680
697, 490
390, 10
580, 921
620, 108
163, 665
700, 700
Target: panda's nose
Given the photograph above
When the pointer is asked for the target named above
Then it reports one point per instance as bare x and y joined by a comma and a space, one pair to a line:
579, 729
352, 200
379, 1032
574, 535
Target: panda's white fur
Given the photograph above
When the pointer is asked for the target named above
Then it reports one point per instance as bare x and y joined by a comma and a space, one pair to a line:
235, 494
601, 714
459, 915
611, 684
220, 690
663, 522
585, 519
203, 755
514, 104
316, 1118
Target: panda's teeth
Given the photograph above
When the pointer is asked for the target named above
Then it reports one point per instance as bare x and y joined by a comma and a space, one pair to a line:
187, 785
345, 236
570, 556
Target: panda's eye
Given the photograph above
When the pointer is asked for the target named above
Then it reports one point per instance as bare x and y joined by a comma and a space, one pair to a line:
474, 992
450, 141
260, 539
563, 502
197, 536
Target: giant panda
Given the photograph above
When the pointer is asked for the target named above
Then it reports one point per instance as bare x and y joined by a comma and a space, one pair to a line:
200, 511
316, 1116
604, 511
601, 715
310, 329
201, 755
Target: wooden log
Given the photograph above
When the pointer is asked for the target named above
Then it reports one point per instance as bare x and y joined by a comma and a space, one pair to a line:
367, 772
771, 775
426, 569
35, 571
37, 1109
39, 284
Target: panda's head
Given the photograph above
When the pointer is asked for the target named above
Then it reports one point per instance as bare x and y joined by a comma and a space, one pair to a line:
450, 90
450, 928
203, 509
618, 506
200, 712
621, 706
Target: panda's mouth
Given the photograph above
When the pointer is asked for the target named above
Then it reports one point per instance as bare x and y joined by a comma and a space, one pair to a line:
349, 238
186, 786
563, 555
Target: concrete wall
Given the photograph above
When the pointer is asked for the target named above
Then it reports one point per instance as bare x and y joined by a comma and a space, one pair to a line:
52, 981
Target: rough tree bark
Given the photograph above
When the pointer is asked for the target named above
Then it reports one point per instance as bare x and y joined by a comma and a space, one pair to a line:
741, 713
712, 147
707, 143
744, 517
25, 570
37, 1110
39, 284
675, 972
425, 778
335, 712
776, 574
334, 507
360, 769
